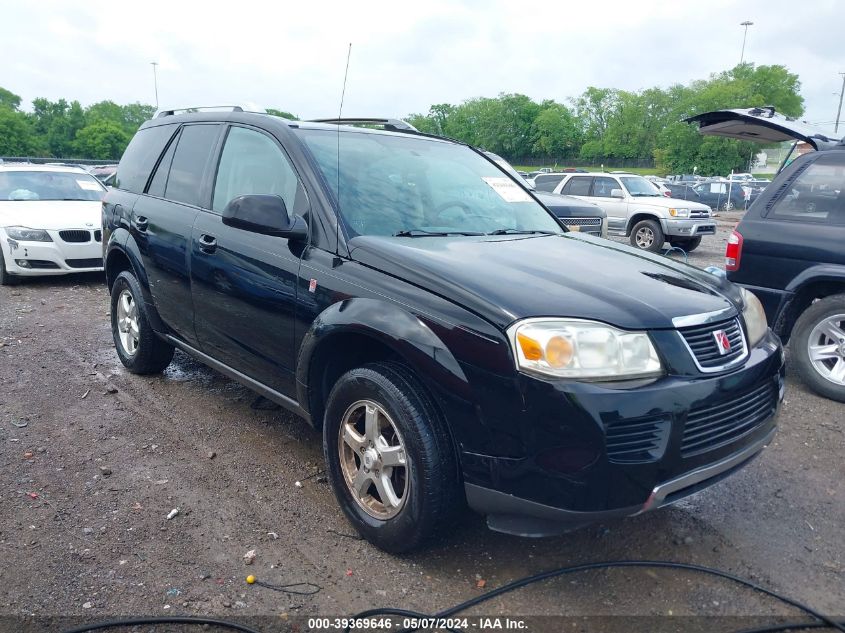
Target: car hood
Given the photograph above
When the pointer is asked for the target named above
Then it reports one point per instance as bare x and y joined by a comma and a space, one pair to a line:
51, 214
762, 125
504, 279
569, 207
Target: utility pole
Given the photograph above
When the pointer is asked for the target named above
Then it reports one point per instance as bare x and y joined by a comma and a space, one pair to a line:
155, 81
839, 111
746, 24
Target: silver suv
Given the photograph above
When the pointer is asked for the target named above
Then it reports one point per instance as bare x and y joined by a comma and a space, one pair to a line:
636, 208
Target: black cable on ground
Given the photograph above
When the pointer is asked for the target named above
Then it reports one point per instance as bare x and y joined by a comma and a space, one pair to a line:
790, 626
110, 624
517, 584
296, 588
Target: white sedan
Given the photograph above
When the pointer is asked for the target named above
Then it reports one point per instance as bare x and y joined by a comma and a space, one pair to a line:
50, 221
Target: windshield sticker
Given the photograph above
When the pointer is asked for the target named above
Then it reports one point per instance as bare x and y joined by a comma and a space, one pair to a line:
88, 185
507, 189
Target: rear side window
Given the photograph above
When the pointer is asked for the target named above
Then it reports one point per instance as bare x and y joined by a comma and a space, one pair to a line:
251, 162
603, 186
546, 183
159, 181
817, 195
193, 152
578, 186
140, 157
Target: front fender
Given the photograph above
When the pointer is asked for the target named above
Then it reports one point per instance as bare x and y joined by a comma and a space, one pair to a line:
406, 334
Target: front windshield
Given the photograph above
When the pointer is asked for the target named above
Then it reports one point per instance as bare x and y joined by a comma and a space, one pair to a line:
49, 185
639, 186
406, 185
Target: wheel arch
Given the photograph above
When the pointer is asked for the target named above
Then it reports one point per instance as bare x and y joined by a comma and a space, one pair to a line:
809, 286
356, 331
123, 254
639, 216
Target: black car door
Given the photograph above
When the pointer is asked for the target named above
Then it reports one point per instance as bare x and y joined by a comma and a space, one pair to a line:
163, 218
803, 225
244, 283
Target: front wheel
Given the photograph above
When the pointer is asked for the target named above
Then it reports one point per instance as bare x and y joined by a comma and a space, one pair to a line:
5, 278
818, 344
139, 348
688, 244
390, 461
647, 236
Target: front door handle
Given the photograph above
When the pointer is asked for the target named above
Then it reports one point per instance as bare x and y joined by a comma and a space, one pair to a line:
140, 223
208, 243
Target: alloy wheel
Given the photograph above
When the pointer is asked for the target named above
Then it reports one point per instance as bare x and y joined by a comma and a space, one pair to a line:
373, 460
127, 322
826, 348
644, 237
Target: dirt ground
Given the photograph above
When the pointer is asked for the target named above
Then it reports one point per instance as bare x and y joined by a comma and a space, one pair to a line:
104, 457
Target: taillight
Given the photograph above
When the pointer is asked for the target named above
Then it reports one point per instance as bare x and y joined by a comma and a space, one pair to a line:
733, 252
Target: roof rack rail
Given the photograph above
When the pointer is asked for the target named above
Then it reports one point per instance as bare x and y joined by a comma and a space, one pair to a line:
393, 125
173, 111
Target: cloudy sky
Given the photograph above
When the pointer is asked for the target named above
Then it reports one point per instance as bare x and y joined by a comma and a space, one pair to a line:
405, 56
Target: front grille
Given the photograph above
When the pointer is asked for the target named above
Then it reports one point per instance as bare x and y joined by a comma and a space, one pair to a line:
75, 235
637, 440
699, 213
701, 342
98, 235
706, 229
709, 427
581, 221
94, 262
42, 263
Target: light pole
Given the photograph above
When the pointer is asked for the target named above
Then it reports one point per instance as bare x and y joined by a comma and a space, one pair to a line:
839, 111
155, 80
746, 24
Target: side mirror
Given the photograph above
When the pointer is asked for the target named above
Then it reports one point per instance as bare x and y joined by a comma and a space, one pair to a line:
264, 213
617, 193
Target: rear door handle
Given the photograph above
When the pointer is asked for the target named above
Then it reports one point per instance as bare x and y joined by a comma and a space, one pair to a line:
140, 223
208, 243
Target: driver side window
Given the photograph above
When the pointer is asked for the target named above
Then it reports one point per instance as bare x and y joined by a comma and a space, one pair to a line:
252, 163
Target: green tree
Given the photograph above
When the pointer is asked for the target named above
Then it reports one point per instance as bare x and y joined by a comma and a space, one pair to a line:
102, 139
556, 132
9, 99
16, 135
283, 114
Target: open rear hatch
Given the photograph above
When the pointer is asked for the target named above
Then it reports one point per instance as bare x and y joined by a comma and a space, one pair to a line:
763, 125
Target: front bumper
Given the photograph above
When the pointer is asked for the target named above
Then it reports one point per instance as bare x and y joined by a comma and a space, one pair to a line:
35, 259
689, 228
567, 476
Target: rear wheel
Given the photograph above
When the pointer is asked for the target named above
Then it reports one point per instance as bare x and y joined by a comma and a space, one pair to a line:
818, 345
5, 278
727, 205
688, 244
390, 461
647, 236
139, 348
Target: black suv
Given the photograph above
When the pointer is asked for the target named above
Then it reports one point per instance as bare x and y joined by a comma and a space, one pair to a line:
453, 341
788, 249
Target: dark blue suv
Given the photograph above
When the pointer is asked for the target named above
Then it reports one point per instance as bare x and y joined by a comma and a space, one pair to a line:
452, 340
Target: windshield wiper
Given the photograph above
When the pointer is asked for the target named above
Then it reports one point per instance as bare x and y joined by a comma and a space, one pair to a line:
424, 233
518, 232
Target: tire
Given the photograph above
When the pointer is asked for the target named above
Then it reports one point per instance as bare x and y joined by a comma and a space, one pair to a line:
145, 353
5, 278
425, 493
727, 205
647, 236
825, 376
688, 244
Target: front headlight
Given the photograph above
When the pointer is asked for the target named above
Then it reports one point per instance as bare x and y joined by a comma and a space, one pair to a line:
582, 350
24, 234
755, 317
679, 213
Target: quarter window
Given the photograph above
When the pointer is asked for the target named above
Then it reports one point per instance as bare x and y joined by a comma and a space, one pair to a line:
193, 152
546, 183
140, 157
817, 195
159, 181
578, 186
253, 163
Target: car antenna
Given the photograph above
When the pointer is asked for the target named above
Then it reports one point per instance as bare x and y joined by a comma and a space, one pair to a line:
339, 114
